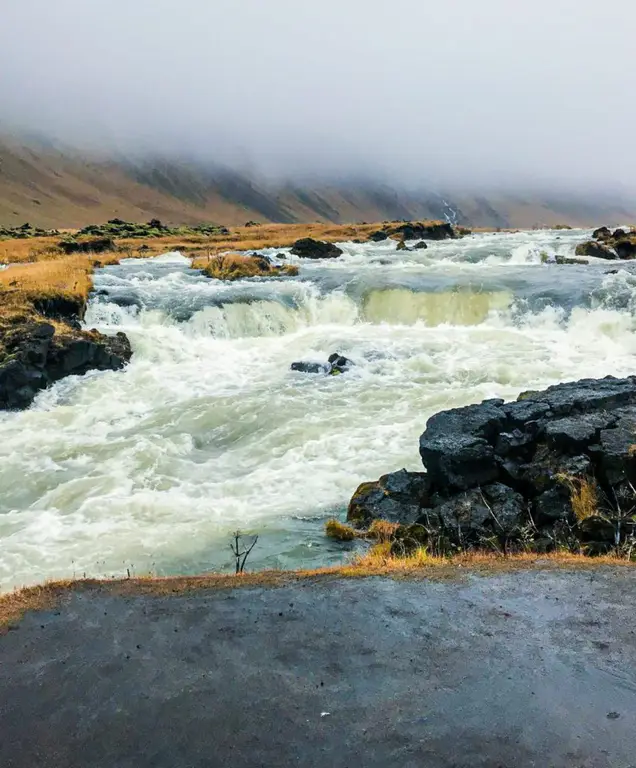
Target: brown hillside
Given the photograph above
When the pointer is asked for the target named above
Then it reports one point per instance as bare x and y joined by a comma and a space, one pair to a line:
53, 188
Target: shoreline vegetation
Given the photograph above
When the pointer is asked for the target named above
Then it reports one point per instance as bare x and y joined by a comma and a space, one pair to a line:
44, 293
15, 604
46, 281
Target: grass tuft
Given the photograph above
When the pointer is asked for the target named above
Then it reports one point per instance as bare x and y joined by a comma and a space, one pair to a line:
334, 529
583, 495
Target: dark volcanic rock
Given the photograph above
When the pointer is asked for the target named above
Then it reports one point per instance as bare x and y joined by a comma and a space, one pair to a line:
421, 246
413, 230
558, 465
309, 367
308, 248
336, 364
598, 250
398, 497
601, 233
35, 356
378, 236
626, 249
609, 245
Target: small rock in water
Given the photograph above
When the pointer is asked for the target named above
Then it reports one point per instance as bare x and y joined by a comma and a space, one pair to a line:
335, 365
310, 367
339, 364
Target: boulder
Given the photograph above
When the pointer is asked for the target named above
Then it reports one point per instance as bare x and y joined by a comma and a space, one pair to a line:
601, 233
421, 246
597, 250
339, 363
626, 249
335, 365
308, 248
413, 230
401, 246
378, 236
398, 497
36, 355
308, 367
555, 468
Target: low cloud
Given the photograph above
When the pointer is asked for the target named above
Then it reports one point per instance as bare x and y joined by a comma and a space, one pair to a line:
457, 93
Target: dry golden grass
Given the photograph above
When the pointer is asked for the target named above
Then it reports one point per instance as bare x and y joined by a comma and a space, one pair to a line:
236, 266
34, 249
39, 270
583, 496
377, 562
334, 529
68, 277
379, 530
253, 238
382, 530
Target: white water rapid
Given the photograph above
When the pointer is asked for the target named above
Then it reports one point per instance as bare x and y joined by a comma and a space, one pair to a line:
207, 430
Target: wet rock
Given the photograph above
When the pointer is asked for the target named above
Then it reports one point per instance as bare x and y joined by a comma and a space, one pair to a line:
335, 365
541, 464
413, 230
308, 367
398, 497
35, 355
597, 250
421, 246
626, 249
378, 236
339, 363
574, 434
308, 248
401, 246
565, 260
601, 233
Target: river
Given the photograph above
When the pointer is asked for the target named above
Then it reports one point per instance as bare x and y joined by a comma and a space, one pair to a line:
207, 431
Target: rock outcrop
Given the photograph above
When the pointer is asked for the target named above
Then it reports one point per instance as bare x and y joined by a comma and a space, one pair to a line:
595, 249
154, 228
609, 245
35, 354
335, 365
25, 231
413, 230
308, 248
555, 468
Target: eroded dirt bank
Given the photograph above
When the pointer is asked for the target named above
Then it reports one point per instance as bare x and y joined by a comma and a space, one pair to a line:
530, 668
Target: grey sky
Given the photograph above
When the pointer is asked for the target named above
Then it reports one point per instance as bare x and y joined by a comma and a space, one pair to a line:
452, 91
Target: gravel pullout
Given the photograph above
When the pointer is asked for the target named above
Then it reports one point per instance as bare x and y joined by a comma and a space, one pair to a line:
530, 668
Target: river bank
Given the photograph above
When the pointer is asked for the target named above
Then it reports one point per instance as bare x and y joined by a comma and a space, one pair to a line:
207, 430
523, 668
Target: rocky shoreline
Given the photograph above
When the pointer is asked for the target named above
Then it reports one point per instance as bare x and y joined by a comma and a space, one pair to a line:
555, 469
39, 348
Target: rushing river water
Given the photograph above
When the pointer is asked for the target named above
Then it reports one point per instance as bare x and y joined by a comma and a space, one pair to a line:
207, 430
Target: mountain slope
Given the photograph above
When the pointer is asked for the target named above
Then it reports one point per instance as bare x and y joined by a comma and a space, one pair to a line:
50, 187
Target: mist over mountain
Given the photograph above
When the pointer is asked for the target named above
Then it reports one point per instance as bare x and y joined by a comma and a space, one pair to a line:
420, 101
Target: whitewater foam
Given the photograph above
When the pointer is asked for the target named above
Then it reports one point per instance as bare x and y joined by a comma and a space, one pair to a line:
208, 430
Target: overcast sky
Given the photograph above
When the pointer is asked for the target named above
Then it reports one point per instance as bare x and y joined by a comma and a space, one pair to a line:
452, 91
